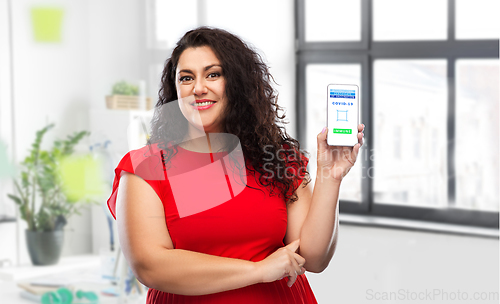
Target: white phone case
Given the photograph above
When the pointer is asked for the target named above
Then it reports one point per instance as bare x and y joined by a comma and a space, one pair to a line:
342, 114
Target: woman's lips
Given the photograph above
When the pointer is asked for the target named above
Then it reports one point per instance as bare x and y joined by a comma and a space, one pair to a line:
196, 105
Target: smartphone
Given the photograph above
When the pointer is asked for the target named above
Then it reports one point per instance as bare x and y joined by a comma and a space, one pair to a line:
342, 114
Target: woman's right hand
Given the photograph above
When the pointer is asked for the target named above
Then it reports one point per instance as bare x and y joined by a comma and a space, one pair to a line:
284, 262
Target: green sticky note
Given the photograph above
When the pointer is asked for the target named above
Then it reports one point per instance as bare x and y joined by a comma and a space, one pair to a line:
81, 177
47, 24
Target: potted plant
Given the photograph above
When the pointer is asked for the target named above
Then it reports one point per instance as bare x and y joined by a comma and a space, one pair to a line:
42, 198
125, 96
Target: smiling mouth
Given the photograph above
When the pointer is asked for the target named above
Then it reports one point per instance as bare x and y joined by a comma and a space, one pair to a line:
203, 102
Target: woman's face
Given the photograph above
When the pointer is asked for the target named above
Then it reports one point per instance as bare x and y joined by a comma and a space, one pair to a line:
200, 86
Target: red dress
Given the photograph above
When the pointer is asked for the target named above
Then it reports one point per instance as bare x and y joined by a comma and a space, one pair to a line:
247, 223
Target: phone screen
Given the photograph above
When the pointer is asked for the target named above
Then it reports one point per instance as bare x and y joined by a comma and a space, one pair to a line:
342, 114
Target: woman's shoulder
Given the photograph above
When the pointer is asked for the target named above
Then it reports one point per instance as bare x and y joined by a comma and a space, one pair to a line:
146, 150
145, 162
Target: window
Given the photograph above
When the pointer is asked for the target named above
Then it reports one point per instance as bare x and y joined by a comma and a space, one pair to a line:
429, 100
166, 22
477, 125
407, 92
409, 20
476, 19
173, 19
318, 77
328, 20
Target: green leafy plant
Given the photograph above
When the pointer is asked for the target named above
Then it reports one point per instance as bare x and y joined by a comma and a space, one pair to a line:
40, 175
125, 88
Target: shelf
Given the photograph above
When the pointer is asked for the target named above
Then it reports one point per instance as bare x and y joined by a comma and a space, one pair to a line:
65, 264
7, 219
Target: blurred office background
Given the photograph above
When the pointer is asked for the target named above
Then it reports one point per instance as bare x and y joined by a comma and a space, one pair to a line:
419, 210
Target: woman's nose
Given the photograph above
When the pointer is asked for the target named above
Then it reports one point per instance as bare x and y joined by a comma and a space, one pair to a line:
200, 87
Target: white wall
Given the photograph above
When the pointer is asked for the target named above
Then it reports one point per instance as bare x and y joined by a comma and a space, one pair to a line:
7, 230
50, 79
65, 83
372, 261
50, 86
5, 93
117, 48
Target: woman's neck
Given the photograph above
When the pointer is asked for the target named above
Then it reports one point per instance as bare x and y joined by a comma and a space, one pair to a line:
207, 143
203, 141
199, 144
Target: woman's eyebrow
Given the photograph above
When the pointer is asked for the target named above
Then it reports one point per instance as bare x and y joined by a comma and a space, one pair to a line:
185, 71
206, 68
211, 66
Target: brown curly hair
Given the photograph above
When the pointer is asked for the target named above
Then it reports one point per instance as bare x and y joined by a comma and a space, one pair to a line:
251, 113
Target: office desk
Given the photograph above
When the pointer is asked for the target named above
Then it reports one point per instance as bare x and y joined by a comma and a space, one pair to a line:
82, 272
10, 293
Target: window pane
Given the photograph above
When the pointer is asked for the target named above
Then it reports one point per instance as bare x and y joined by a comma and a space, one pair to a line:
410, 102
173, 19
318, 76
410, 20
477, 134
333, 20
477, 19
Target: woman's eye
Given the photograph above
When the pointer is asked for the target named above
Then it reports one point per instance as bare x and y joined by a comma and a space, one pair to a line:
214, 75
185, 78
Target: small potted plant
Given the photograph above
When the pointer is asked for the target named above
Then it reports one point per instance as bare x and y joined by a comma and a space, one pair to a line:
42, 199
125, 96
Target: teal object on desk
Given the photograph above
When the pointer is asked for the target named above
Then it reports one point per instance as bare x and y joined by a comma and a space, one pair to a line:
65, 296
87, 295
50, 298
61, 296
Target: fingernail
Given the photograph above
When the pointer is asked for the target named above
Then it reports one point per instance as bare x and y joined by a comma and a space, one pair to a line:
324, 129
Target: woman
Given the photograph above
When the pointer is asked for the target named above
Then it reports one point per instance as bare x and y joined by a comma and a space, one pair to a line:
253, 243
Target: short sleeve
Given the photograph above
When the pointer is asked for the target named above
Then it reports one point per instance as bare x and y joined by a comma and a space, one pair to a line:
143, 163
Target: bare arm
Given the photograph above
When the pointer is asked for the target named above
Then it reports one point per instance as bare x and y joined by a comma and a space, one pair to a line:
317, 242
148, 248
314, 217
320, 227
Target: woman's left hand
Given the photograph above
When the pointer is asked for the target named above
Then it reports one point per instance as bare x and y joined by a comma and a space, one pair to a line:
334, 162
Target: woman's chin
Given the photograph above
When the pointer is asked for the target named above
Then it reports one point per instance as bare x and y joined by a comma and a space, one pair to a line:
209, 128
202, 128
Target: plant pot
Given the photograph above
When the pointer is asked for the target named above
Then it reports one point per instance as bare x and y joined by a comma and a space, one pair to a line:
44, 247
126, 102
